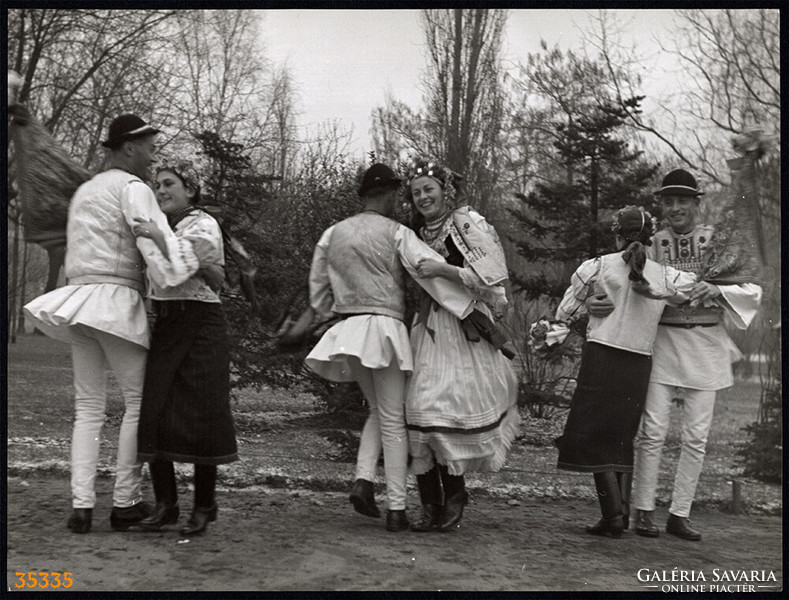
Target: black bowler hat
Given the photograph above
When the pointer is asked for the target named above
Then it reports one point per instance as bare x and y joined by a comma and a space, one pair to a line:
679, 183
378, 175
127, 127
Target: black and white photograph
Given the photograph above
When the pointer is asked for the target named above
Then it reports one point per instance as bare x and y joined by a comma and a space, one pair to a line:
338, 298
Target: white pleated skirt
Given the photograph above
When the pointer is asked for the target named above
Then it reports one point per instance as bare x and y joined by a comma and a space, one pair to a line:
377, 340
115, 309
461, 402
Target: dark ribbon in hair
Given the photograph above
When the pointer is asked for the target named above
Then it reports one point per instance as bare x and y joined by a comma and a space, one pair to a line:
636, 257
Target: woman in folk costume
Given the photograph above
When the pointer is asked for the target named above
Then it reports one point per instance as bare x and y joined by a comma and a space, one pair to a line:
461, 403
616, 362
185, 414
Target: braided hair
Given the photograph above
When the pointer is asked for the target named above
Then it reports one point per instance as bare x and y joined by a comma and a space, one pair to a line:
636, 227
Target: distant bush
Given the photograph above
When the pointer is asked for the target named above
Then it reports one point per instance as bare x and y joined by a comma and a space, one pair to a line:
762, 455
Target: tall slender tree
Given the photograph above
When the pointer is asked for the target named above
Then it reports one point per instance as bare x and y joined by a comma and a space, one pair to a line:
463, 95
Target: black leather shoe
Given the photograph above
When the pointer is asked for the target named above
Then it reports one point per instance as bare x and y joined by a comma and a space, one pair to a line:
123, 518
645, 526
612, 527
199, 519
363, 498
163, 513
681, 527
396, 520
80, 520
431, 516
453, 511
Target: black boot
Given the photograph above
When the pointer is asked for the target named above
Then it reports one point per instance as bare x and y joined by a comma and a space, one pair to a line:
625, 485
682, 528
199, 519
166, 510
396, 520
455, 499
608, 495
363, 498
204, 509
431, 495
123, 518
80, 520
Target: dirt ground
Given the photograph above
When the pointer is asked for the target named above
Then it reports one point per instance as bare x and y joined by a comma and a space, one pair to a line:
285, 523
289, 540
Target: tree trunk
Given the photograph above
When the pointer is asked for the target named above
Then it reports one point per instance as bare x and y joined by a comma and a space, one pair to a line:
453, 158
472, 83
12, 287
56, 256
593, 200
22, 291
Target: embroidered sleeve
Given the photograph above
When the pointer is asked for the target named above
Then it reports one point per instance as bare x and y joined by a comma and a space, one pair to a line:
573, 303
495, 296
205, 236
321, 297
678, 284
138, 200
451, 295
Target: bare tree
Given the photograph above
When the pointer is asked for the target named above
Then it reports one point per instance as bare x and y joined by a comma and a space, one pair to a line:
461, 122
730, 73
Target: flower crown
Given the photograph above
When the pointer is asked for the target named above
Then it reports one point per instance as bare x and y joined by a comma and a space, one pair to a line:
444, 175
184, 169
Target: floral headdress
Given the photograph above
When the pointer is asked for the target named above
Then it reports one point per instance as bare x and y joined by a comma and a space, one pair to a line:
445, 176
184, 170
631, 221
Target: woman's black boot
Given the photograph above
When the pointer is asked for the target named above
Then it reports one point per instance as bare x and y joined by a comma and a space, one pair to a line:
166, 511
625, 487
163, 514
205, 508
608, 495
456, 499
430, 519
430, 494
199, 519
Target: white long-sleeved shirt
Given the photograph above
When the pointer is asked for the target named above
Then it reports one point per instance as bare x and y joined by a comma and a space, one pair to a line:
634, 321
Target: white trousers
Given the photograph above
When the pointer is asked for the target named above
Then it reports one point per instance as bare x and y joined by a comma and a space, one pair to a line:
697, 410
384, 390
92, 351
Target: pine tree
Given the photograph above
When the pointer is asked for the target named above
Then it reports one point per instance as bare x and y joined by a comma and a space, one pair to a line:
567, 221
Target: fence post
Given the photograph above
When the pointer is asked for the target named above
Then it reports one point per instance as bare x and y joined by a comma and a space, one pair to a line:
736, 500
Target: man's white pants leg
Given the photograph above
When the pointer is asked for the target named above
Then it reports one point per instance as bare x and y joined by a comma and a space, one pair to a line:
384, 390
92, 351
697, 414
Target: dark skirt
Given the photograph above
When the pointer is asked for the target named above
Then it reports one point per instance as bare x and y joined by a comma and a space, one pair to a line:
605, 411
185, 413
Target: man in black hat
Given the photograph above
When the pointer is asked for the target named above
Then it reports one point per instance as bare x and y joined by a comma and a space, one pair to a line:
101, 312
357, 272
691, 359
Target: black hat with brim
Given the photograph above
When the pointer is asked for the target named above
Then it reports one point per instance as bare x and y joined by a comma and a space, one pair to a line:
125, 128
378, 176
679, 183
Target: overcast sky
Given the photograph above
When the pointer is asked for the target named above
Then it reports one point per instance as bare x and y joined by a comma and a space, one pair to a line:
345, 62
